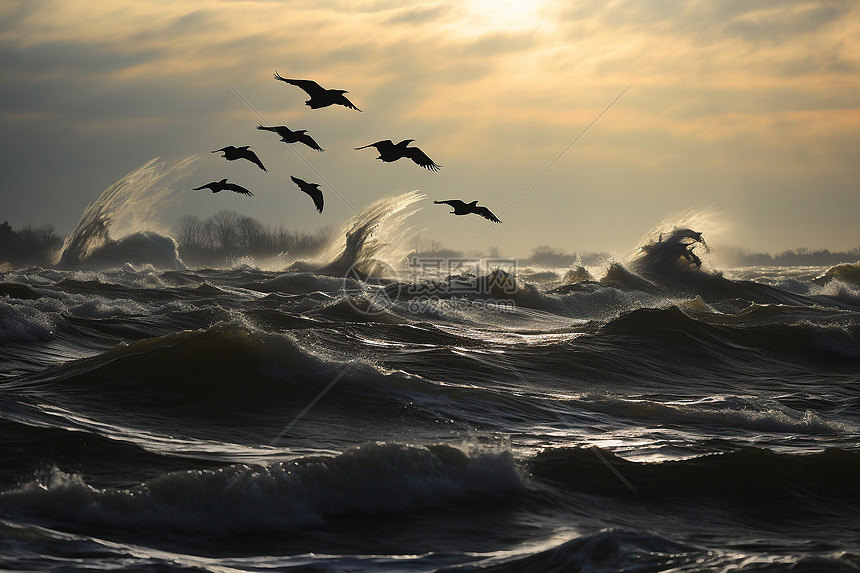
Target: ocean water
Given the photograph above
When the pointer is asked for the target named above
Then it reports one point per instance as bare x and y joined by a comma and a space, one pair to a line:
650, 414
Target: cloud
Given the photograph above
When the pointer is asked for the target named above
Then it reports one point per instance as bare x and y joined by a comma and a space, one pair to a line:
759, 37
724, 89
702, 21
776, 23
499, 43
420, 15
65, 59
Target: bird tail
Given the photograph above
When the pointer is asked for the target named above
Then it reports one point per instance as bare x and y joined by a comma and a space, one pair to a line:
365, 146
264, 127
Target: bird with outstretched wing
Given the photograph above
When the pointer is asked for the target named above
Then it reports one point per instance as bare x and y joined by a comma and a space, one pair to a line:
463, 208
232, 153
320, 96
218, 186
290, 136
389, 151
312, 189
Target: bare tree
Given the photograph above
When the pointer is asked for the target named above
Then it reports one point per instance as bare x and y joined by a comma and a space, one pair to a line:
249, 231
420, 245
323, 236
191, 233
228, 234
223, 230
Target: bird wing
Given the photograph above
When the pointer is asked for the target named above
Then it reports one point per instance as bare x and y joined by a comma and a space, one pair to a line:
379, 145
252, 157
346, 103
281, 130
237, 188
311, 87
311, 189
420, 158
486, 214
316, 195
455, 203
309, 141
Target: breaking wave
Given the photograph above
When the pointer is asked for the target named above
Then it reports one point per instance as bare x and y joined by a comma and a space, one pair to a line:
128, 209
368, 479
372, 239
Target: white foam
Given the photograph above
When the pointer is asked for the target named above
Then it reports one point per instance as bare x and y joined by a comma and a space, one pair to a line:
368, 479
838, 289
23, 321
127, 209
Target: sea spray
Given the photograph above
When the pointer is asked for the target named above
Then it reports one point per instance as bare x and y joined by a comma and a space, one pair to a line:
678, 243
374, 238
127, 208
261, 419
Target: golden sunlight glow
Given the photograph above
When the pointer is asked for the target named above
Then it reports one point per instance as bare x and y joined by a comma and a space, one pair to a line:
740, 100
503, 14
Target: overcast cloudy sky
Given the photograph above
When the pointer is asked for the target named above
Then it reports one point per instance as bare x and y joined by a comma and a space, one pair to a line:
747, 110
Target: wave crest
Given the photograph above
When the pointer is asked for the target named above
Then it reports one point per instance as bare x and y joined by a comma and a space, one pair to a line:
671, 253
368, 479
127, 209
371, 237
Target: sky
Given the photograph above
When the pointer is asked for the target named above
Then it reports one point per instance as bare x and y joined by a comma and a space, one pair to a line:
742, 113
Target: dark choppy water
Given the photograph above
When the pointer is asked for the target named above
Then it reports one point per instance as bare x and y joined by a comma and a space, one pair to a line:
660, 418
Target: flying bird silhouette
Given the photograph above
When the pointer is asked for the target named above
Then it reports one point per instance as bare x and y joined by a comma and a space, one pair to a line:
463, 208
244, 152
388, 152
312, 189
320, 97
290, 136
218, 186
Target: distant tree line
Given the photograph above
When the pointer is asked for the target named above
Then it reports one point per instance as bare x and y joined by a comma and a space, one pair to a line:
224, 236
546, 256
431, 249
543, 255
29, 246
733, 256
228, 235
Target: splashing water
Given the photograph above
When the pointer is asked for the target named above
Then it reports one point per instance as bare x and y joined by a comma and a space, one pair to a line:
374, 237
674, 246
672, 252
131, 205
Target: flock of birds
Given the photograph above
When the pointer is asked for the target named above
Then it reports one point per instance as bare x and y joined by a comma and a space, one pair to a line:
387, 149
